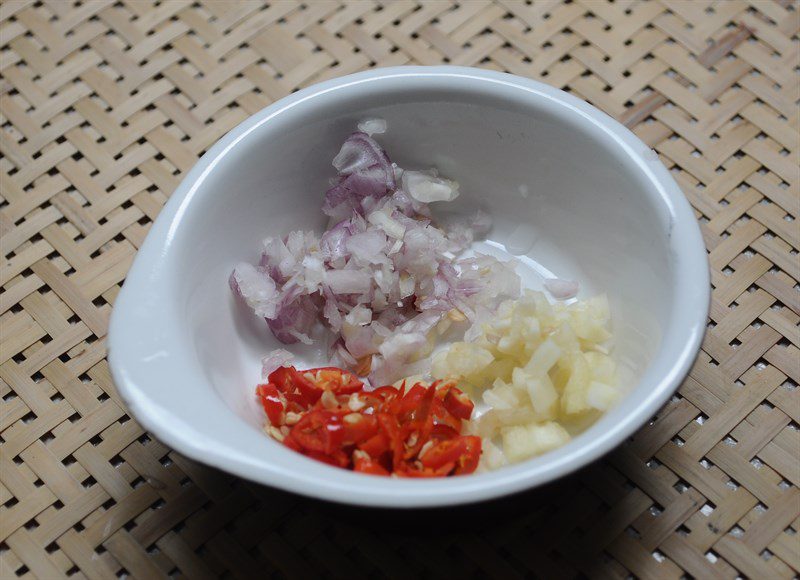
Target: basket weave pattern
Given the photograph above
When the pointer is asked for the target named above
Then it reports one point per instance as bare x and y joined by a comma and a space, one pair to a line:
106, 105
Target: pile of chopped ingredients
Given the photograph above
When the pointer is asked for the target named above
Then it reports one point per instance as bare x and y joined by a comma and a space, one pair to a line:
383, 284
542, 370
327, 415
384, 276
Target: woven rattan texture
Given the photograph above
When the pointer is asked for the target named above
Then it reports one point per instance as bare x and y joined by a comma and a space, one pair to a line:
106, 104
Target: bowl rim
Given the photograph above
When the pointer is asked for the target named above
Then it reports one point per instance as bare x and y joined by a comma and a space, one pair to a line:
694, 294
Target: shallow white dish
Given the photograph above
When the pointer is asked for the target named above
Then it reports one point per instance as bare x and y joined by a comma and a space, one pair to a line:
568, 187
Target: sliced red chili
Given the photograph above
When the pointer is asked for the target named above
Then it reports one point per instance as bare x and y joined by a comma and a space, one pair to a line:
469, 461
379, 399
282, 377
403, 407
337, 459
458, 404
358, 428
442, 432
391, 430
295, 386
292, 444
271, 401
376, 445
367, 465
320, 431
387, 394
441, 416
424, 411
415, 470
416, 433
306, 387
411, 432
462, 452
336, 380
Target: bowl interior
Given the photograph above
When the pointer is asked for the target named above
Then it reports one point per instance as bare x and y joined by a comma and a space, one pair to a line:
570, 194
562, 200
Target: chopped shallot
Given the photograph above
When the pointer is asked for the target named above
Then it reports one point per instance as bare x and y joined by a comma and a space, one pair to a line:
427, 188
383, 275
561, 289
258, 290
372, 126
274, 360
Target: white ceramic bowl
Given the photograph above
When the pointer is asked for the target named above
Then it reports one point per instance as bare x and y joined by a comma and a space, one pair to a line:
567, 185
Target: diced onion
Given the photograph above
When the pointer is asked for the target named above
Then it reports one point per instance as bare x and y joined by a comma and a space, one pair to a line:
383, 276
257, 289
429, 188
274, 360
372, 126
561, 289
347, 281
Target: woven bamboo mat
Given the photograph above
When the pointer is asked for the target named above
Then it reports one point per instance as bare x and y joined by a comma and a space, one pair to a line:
106, 104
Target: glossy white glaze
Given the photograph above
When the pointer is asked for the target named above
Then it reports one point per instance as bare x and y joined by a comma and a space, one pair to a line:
569, 188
